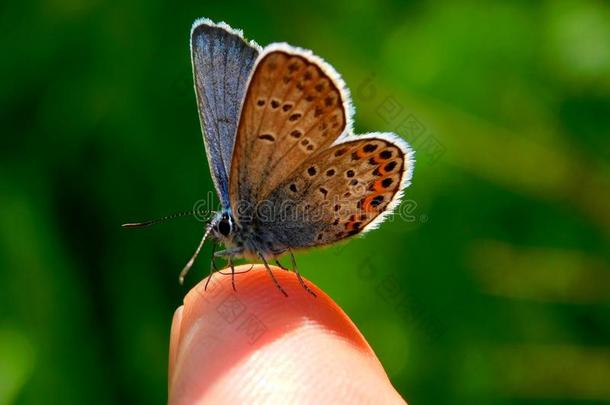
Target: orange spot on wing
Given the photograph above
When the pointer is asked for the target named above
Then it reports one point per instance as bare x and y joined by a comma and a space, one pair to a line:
353, 227
360, 153
365, 204
372, 202
377, 186
391, 165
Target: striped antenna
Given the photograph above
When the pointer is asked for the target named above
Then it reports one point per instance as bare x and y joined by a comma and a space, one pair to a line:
158, 220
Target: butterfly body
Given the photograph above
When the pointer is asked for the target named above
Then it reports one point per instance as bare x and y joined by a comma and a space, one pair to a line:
277, 129
254, 237
244, 240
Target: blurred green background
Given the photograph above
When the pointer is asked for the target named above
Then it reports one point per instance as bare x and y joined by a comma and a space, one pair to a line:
493, 287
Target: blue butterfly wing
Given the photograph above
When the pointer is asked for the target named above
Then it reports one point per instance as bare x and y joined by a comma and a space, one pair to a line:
222, 63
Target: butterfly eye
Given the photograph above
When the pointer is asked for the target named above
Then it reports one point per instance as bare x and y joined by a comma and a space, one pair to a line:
224, 226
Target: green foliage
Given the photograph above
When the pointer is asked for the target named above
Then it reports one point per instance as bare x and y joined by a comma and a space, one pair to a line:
492, 288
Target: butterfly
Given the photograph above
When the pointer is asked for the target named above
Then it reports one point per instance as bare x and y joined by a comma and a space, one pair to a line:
287, 168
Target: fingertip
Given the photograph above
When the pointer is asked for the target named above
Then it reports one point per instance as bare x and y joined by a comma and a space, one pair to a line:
256, 294
174, 339
255, 343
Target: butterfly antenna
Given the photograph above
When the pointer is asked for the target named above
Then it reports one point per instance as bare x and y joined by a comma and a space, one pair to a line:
188, 266
158, 220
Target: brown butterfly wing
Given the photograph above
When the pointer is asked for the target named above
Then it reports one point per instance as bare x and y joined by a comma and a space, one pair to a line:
342, 191
292, 110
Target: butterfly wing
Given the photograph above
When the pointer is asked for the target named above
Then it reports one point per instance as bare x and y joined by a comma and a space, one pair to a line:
295, 157
342, 191
295, 106
222, 63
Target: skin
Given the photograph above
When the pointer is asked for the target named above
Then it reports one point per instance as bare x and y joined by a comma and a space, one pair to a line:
257, 346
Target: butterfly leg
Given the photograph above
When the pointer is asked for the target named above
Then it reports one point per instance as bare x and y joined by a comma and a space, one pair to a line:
213, 267
230, 254
234, 252
281, 266
237, 272
232, 273
279, 287
296, 270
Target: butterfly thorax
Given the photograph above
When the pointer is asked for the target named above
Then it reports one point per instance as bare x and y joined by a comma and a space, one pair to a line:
248, 239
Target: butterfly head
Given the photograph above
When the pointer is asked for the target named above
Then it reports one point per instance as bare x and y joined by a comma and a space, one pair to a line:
223, 226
